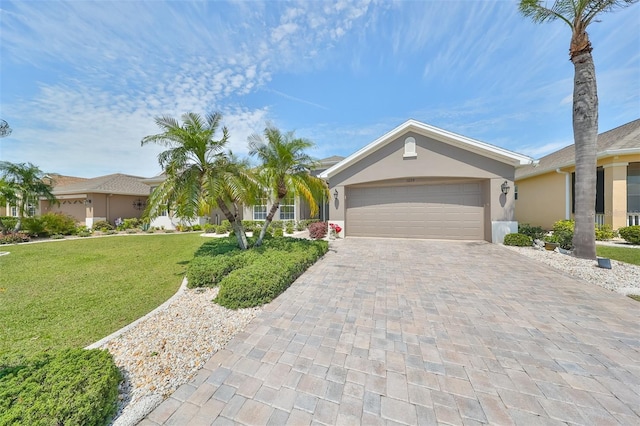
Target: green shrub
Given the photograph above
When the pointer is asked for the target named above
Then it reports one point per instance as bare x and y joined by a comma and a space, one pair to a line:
300, 226
57, 237
605, 233
278, 232
59, 223
68, 387
9, 222
562, 234
519, 240
14, 238
277, 224
282, 261
83, 232
102, 226
208, 271
220, 229
226, 226
196, 228
130, 223
631, 234
289, 228
209, 228
35, 226
535, 232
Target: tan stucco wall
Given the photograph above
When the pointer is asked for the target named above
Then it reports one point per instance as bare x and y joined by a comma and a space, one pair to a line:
541, 200
74, 207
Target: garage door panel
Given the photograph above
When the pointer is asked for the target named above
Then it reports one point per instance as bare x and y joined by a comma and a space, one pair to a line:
421, 211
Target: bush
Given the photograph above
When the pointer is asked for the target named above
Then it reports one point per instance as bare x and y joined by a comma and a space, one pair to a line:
289, 228
220, 229
102, 226
196, 228
68, 387
318, 230
131, 223
225, 226
605, 233
9, 222
209, 228
278, 232
35, 226
300, 226
283, 260
59, 223
535, 232
518, 240
208, 271
14, 238
83, 232
562, 234
631, 234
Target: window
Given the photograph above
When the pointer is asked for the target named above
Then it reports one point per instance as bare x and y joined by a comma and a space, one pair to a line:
410, 148
599, 207
260, 210
288, 209
633, 187
515, 192
31, 211
14, 211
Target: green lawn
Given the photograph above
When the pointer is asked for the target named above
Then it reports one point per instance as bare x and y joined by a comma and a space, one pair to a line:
622, 254
64, 294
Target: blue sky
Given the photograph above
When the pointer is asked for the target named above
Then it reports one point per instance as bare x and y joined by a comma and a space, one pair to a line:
82, 81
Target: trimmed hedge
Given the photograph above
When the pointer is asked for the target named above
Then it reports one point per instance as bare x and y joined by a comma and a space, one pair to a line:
67, 387
518, 240
208, 271
535, 232
605, 233
266, 278
631, 234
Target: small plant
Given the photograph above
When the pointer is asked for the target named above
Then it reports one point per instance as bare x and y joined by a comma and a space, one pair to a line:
535, 232
209, 228
196, 228
59, 223
34, 226
57, 237
318, 230
300, 226
631, 234
111, 232
289, 228
605, 233
83, 233
14, 238
278, 232
335, 230
518, 240
562, 234
102, 226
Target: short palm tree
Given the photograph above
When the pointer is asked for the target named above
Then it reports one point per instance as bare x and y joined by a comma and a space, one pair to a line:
578, 14
284, 170
22, 185
199, 173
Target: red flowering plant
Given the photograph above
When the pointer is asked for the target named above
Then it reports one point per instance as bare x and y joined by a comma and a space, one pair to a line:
335, 229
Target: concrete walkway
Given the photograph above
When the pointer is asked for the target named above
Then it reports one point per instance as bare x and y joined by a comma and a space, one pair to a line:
423, 332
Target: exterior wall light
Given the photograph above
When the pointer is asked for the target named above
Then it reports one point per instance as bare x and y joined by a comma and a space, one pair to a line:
335, 194
505, 187
87, 201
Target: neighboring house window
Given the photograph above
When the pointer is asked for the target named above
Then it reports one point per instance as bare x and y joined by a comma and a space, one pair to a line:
31, 211
515, 192
260, 210
633, 187
14, 211
410, 147
288, 209
599, 191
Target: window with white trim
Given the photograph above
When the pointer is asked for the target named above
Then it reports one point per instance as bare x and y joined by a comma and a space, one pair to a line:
260, 210
288, 209
410, 147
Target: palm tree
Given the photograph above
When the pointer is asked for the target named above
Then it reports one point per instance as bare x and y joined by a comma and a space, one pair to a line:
22, 186
199, 173
284, 170
578, 14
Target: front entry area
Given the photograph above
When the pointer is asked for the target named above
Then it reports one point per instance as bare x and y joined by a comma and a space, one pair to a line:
428, 211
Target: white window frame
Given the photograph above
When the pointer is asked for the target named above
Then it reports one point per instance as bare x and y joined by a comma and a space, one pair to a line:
288, 209
260, 210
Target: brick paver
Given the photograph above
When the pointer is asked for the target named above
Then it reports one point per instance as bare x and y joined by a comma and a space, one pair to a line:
385, 331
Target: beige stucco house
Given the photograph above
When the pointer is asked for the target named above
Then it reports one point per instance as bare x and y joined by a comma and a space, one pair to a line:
90, 200
419, 181
545, 188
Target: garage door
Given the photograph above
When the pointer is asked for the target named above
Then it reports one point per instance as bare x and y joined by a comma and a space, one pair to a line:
447, 211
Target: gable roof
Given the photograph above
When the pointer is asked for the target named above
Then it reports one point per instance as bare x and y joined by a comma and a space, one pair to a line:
481, 148
110, 184
622, 140
55, 180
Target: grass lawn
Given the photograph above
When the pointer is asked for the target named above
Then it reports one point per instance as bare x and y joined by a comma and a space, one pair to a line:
65, 294
622, 254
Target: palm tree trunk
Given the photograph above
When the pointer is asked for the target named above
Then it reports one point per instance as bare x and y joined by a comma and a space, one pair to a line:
267, 222
585, 133
238, 229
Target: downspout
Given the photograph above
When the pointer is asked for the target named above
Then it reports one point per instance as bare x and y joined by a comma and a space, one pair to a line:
567, 193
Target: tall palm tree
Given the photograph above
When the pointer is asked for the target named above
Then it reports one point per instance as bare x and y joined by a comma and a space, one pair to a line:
284, 170
22, 186
578, 14
199, 173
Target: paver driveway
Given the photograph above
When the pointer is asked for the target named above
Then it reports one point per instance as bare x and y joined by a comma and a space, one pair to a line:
425, 332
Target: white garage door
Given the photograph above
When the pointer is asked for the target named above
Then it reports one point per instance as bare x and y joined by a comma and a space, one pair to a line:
447, 211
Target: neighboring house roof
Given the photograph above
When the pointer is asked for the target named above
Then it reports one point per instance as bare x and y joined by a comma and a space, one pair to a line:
110, 184
463, 142
622, 140
56, 180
